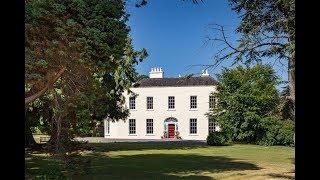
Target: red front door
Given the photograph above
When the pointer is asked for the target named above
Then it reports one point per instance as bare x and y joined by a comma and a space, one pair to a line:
171, 128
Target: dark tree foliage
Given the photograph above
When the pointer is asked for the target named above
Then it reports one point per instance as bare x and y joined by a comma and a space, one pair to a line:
76, 49
141, 3
142, 76
217, 139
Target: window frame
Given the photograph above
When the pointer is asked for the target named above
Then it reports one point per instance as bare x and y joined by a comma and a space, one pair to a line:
149, 102
132, 127
132, 102
212, 126
149, 126
107, 127
171, 102
193, 102
212, 102
193, 126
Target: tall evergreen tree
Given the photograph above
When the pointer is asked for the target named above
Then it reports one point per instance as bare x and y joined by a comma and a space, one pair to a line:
74, 49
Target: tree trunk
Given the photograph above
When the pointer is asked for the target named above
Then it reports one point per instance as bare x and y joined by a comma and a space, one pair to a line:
54, 141
53, 135
47, 87
56, 129
58, 134
60, 139
291, 81
29, 141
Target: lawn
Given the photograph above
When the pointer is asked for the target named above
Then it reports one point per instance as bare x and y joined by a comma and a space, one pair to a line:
165, 160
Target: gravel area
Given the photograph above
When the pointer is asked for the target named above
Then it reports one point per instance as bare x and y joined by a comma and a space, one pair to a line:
107, 140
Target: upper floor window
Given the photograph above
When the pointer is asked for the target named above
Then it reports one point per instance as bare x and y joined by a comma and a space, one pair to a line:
193, 102
193, 126
212, 126
149, 126
132, 126
132, 103
149, 102
212, 102
171, 102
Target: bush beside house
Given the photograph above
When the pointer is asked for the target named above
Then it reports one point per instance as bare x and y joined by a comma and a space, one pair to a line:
249, 102
217, 139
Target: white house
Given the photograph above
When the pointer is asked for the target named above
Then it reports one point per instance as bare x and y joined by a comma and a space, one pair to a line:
167, 108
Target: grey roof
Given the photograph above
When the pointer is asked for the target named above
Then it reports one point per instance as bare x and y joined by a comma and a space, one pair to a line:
176, 82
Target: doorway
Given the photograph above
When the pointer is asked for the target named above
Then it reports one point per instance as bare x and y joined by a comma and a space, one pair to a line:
171, 130
170, 127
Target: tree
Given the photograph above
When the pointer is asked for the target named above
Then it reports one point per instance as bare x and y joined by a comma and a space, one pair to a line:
246, 96
141, 3
142, 76
267, 29
73, 39
285, 107
38, 116
78, 48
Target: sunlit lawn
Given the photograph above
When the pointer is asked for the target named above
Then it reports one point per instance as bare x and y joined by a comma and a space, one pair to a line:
169, 161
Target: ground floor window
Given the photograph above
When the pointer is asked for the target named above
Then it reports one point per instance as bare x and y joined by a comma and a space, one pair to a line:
193, 126
212, 126
149, 126
132, 126
107, 127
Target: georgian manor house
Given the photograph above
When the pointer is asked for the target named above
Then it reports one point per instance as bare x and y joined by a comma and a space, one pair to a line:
166, 108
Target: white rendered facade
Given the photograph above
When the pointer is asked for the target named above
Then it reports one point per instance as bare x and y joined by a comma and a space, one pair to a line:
151, 123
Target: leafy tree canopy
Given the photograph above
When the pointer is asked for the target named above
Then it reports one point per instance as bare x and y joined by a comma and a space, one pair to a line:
246, 95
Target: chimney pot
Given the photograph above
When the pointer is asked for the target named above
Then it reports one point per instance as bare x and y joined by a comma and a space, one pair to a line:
156, 72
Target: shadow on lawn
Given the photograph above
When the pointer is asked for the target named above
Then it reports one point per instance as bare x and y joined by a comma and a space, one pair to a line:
143, 166
282, 176
124, 146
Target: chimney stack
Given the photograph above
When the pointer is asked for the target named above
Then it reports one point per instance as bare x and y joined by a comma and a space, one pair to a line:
205, 73
156, 72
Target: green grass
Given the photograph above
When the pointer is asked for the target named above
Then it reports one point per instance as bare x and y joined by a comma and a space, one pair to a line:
168, 161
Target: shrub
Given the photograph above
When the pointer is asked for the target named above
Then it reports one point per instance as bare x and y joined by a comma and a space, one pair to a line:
285, 135
217, 139
277, 132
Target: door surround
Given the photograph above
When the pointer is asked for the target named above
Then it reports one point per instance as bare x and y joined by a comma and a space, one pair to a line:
170, 121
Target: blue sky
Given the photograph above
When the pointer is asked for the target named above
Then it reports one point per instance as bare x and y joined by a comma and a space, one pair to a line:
173, 32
